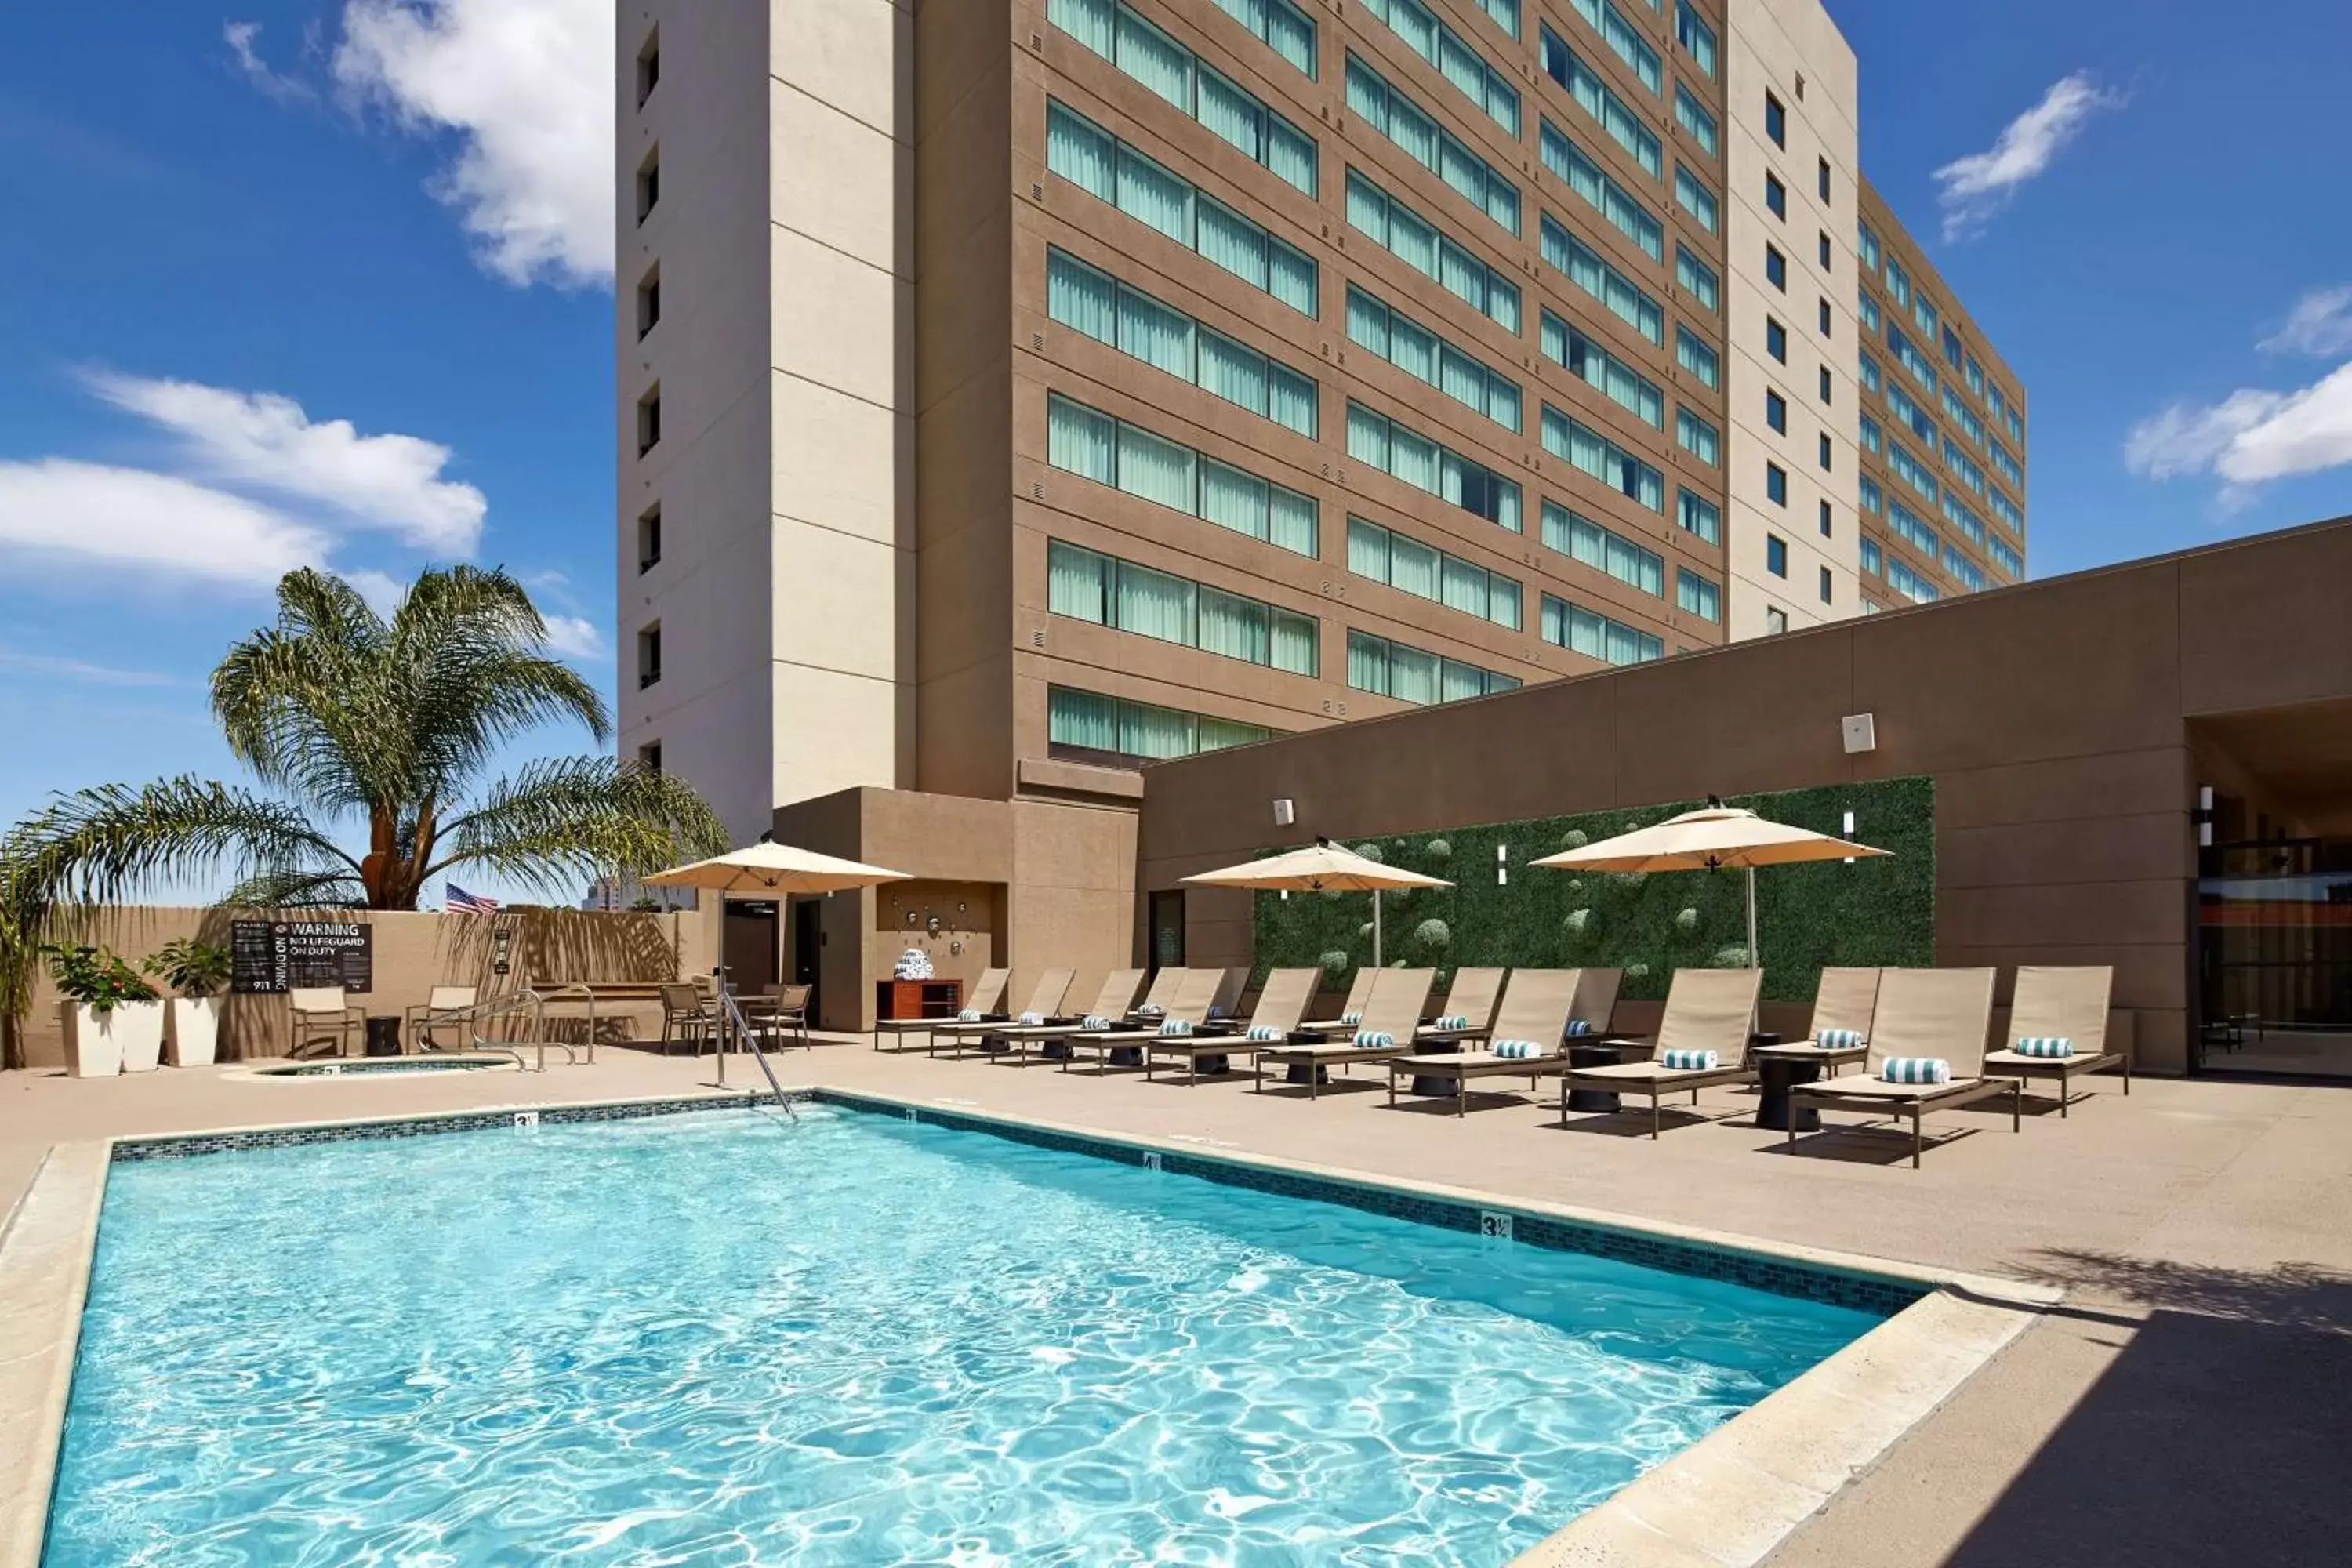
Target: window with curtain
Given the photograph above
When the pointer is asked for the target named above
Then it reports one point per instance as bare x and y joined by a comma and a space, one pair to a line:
1615, 117
1866, 308
1603, 549
1414, 240
1155, 196
1910, 415
1590, 271
2006, 511
1596, 635
1694, 595
1866, 246
1912, 472
1387, 668
1924, 317
2009, 562
1692, 117
1962, 465
1279, 25
1088, 300
1426, 35
1596, 456
1909, 584
1697, 279
1597, 190
1089, 585
2004, 465
1624, 40
1394, 115
1908, 528
1699, 438
1869, 374
1962, 570
1698, 516
1568, 347
1078, 583
1505, 14
1698, 360
1970, 525
1872, 439
1898, 283
1692, 195
1088, 722
1155, 59
1696, 37
1873, 500
1963, 416
1873, 560
1374, 325
1404, 454
1383, 555
1095, 445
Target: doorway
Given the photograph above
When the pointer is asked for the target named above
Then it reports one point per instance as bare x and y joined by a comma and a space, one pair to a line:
808, 951
748, 944
1168, 929
2274, 957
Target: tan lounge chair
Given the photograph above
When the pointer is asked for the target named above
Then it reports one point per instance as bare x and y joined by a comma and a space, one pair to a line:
1471, 999
1393, 1009
986, 995
1845, 1000
1112, 1001
1162, 992
1045, 999
1536, 1008
2061, 1004
1921, 1012
1283, 998
1351, 1011
1707, 1010
1195, 993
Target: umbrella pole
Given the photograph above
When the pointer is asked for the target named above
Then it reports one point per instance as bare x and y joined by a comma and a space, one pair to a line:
1375, 928
1754, 962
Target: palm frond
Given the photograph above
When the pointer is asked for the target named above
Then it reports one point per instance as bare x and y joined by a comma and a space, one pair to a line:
328, 889
560, 823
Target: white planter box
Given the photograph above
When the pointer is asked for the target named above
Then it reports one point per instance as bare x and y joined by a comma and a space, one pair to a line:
196, 1031
139, 1033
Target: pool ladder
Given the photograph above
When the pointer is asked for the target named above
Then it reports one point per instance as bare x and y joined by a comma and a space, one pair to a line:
732, 1024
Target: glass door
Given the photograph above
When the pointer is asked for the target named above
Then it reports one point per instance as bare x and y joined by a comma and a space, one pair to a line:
2274, 946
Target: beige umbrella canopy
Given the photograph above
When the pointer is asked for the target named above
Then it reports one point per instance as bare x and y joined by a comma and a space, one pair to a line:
1716, 837
771, 867
1322, 866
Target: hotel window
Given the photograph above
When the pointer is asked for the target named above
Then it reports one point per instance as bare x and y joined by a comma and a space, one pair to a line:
649, 656
1589, 270
1387, 669
1700, 361
1776, 484
1776, 121
1382, 555
649, 67
1698, 516
1825, 586
1694, 595
1821, 178
1909, 584
1924, 315
1454, 58
1822, 249
1102, 166
1867, 307
1697, 279
1776, 196
1963, 416
1592, 453
1416, 242
649, 538
1911, 530
1874, 501
1602, 193
1776, 268
1580, 539
1623, 37
1910, 358
1866, 246
1279, 25
1425, 465
1976, 376
1696, 199
1775, 555
1696, 37
1776, 340
1596, 635
1957, 513
1870, 434
1084, 725
1694, 117
1824, 440
1776, 412
1608, 111
1776, 620
1697, 437
1167, 67
1504, 13
2007, 559
649, 302
1112, 313
649, 421
1960, 463
1571, 349
1825, 514
649, 757
1086, 585
1898, 284
1962, 570
1378, 328
2004, 465
1872, 561
2006, 511
648, 185
1869, 374
1910, 414
1953, 353
1825, 385
1823, 321
1388, 111
1094, 446
1912, 472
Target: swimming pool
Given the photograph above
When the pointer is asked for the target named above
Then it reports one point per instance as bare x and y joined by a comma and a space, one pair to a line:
728, 1338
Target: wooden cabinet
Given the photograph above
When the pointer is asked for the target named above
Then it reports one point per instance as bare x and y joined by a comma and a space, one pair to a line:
917, 998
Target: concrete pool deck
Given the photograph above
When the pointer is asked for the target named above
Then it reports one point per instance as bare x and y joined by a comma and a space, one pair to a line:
2183, 1403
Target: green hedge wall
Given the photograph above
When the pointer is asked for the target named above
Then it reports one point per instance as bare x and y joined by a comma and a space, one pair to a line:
1875, 912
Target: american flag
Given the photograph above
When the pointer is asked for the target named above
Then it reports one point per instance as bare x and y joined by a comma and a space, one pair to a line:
456, 900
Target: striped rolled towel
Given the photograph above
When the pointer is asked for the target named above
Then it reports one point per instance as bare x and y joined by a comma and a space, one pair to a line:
970, 1015
1577, 1029
1518, 1050
2044, 1046
1175, 1029
1452, 1021
1267, 1032
1837, 1039
1374, 1039
1031, 1020
1689, 1061
1150, 1010
1351, 1019
1094, 1021
1915, 1069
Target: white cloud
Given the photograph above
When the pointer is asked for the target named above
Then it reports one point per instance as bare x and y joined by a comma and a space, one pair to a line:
80, 670
263, 439
2320, 324
270, 83
2250, 437
1977, 186
61, 509
574, 637
526, 86
381, 591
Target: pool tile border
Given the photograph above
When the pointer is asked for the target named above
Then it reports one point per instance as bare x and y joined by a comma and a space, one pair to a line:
183, 1146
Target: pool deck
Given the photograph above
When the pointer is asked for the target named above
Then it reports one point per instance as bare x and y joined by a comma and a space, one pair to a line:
2184, 1404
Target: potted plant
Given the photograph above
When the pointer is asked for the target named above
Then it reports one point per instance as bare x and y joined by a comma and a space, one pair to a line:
113, 1019
196, 972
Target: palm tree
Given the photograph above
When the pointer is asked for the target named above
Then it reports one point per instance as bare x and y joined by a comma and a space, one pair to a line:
345, 718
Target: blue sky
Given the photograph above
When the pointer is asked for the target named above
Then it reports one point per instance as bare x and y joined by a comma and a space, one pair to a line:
325, 280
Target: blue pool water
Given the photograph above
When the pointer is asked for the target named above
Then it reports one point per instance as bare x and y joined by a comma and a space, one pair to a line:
726, 1339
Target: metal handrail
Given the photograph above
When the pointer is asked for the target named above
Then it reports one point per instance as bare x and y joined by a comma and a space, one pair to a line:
730, 1013
525, 998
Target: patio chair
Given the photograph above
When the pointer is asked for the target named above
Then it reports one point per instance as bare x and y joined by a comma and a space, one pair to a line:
1839, 1031
1283, 998
1195, 993
1922, 1013
981, 1002
687, 1014
1230, 987
419, 1022
1391, 1013
1045, 999
1710, 1012
786, 1007
1110, 1004
322, 1013
1528, 1039
1468, 1007
2068, 1004
1351, 1011
1162, 992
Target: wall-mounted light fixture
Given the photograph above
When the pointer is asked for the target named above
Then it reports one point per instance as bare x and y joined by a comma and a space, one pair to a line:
1502, 865
1848, 835
1860, 732
2203, 816
1285, 813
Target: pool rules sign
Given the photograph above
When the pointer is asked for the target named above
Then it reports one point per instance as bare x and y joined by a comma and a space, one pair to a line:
272, 957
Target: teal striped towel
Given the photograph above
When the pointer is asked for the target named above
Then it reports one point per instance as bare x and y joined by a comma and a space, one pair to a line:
1518, 1050
1176, 1028
1094, 1021
1373, 1039
1837, 1039
1351, 1019
1031, 1020
970, 1015
1915, 1069
2046, 1046
1689, 1061
1577, 1029
1452, 1021
1267, 1032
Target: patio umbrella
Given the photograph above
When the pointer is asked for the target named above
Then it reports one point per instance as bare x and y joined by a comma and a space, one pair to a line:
1321, 868
767, 866
1714, 838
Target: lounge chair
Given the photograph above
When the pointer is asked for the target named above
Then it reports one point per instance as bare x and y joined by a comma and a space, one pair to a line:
1391, 1013
981, 1002
1351, 1011
1111, 1002
1527, 1038
2060, 1004
1843, 1005
1921, 1012
1045, 1001
1709, 1011
1468, 1007
1195, 992
1228, 998
1283, 998
433, 1014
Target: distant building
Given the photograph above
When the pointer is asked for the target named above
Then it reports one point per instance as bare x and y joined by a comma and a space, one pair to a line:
609, 895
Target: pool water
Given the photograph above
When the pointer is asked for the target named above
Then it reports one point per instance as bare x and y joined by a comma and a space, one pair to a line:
725, 1337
